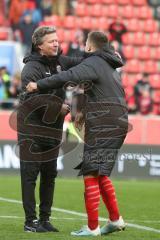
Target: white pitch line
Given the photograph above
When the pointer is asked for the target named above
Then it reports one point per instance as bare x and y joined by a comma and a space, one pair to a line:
81, 219
143, 221
16, 217
77, 219
84, 215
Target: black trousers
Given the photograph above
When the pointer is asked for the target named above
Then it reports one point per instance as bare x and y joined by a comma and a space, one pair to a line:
32, 165
29, 173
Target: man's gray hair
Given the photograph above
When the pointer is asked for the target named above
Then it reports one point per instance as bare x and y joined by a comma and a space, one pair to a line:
39, 33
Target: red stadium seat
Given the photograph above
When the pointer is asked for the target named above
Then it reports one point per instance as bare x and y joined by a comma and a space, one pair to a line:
56, 21
129, 51
155, 80
134, 25
103, 23
78, 22
154, 39
150, 67
60, 34
144, 53
81, 10
146, 12
127, 11
69, 22
64, 47
156, 53
129, 90
86, 23
129, 79
53, 20
45, 23
140, 38
69, 35
128, 39
156, 104
157, 96
139, 2
105, 11
94, 23
143, 12
96, 10
125, 80
112, 11
150, 25
133, 66
156, 108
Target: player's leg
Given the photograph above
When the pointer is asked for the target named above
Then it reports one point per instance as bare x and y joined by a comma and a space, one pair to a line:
48, 173
108, 194
29, 172
109, 197
92, 200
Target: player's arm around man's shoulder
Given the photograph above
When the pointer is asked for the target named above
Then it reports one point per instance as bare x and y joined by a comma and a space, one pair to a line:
67, 62
80, 73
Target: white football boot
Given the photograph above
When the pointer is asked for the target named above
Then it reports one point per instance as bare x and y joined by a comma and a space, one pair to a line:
113, 226
85, 231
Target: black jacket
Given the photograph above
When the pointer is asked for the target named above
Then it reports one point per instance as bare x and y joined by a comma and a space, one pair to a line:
38, 67
99, 70
37, 113
106, 113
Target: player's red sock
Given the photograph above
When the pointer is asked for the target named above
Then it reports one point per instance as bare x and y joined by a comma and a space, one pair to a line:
92, 199
109, 197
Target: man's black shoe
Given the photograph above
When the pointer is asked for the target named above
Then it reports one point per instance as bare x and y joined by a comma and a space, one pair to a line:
48, 226
40, 228
34, 226
31, 226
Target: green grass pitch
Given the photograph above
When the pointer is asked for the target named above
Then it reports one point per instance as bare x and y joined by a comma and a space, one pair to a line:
139, 203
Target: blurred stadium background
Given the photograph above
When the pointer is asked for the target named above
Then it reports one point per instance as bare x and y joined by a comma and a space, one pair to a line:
133, 27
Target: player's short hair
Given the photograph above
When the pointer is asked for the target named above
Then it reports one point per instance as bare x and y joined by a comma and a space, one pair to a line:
39, 33
98, 39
